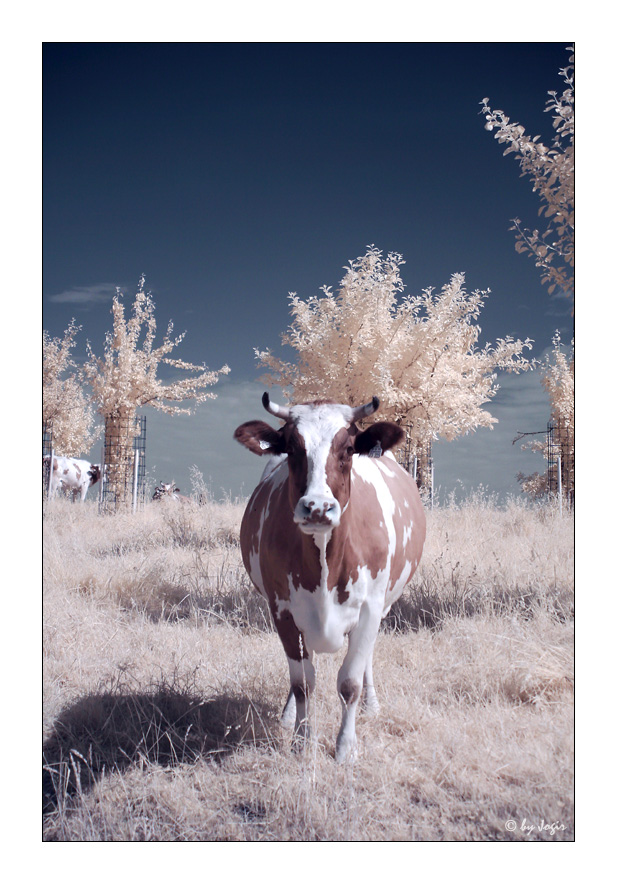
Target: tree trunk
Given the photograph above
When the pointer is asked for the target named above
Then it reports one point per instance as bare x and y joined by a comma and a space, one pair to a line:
120, 432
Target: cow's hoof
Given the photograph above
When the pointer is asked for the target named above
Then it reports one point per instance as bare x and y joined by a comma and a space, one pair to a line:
301, 737
288, 716
370, 706
346, 751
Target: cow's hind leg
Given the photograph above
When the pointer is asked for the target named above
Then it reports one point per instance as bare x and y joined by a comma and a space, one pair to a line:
369, 699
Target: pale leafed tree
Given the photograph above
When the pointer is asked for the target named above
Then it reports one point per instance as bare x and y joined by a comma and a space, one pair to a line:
66, 406
127, 378
418, 354
558, 379
552, 172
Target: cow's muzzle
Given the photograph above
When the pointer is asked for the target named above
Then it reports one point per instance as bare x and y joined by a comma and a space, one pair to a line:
317, 513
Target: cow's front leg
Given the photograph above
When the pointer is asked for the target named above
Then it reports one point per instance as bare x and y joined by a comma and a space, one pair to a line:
302, 675
355, 671
302, 681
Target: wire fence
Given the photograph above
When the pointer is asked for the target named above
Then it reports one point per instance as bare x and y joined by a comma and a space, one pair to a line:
416, 457
123, 464
561, 460
48, 453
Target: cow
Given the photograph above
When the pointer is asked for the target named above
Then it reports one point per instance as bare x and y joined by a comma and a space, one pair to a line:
330, 537
72, 475
167, 492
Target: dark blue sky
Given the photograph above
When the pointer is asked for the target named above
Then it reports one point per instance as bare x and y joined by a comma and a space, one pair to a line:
233, 173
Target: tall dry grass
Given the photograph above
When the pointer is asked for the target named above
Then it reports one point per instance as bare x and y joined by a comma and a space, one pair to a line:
163, 681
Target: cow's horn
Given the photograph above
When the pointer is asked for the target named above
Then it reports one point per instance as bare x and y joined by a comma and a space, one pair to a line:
279, 411
361, 412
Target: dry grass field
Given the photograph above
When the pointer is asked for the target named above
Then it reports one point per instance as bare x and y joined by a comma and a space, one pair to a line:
163, 682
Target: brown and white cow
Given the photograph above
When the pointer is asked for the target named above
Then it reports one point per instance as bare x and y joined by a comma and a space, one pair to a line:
72, 475
330, 537
166, 491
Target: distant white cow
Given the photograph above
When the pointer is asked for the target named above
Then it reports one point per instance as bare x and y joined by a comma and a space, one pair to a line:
73, 475
166, 491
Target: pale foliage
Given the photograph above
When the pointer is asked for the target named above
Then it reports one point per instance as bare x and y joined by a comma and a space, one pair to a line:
65, 404
127, 378
552, 172
535, 485
558, 379
418, 354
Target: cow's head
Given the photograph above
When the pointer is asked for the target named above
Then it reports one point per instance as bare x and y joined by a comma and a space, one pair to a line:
319, 440
166, 489
94, 473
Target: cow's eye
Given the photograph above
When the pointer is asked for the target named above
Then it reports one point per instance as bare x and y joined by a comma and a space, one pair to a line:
350, 451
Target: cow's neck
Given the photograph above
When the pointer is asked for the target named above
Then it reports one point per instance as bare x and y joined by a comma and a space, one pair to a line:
324, 554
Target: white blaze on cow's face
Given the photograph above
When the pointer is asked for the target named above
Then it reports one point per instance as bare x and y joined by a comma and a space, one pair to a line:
319, 447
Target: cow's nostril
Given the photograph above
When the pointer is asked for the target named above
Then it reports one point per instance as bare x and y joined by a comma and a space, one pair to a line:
316, 510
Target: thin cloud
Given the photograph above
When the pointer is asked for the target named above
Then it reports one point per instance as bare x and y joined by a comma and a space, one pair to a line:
86, 296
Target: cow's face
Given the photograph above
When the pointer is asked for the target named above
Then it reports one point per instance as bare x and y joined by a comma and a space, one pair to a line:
319, 440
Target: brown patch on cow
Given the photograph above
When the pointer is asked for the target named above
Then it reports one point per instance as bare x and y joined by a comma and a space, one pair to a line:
349, 691
55, 464
289, 634
65, 471
258, 504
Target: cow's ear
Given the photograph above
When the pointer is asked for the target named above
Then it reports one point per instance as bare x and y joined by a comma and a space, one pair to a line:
384, 434
260, 438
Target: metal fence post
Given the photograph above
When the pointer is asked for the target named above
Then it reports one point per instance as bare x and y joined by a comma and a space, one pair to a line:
101, 492
432, 483
135, 476
51, 473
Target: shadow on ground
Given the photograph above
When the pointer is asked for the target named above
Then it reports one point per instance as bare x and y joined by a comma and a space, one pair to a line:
113, 730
